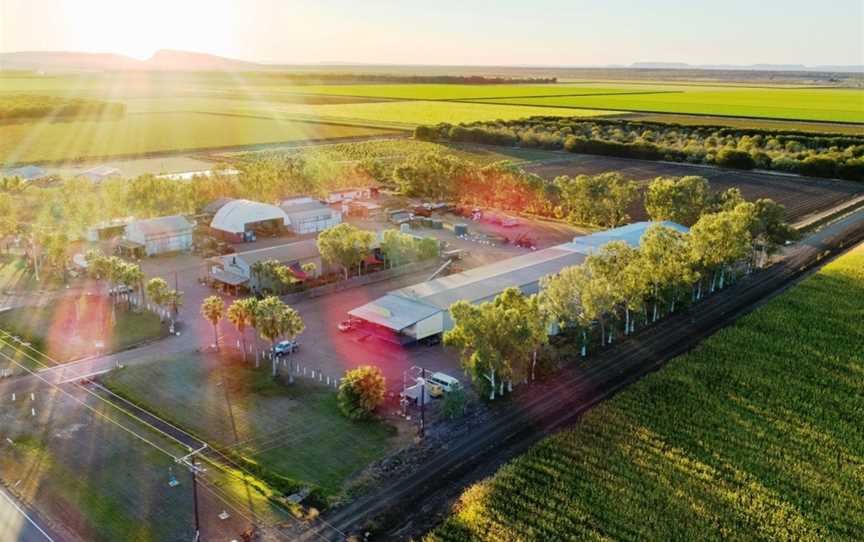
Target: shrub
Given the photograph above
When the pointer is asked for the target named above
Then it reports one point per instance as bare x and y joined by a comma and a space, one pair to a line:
453, 404
734, 158
361, 391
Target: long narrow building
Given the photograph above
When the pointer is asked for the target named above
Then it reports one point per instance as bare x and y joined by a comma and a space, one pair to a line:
423, 310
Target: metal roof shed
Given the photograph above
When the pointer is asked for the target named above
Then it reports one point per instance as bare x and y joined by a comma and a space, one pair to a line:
236, 215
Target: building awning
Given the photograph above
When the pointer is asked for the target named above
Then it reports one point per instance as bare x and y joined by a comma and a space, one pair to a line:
394, 312
128, 244
297, 271
227, 277
371, 259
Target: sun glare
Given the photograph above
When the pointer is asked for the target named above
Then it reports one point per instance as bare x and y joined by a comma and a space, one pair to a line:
140, 29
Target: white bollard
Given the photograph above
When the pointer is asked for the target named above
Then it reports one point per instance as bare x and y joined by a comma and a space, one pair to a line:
32, 396
13, 396
33, 412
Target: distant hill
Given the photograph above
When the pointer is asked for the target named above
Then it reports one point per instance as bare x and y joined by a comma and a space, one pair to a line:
173, 60
165, 60
66, 61
752, 67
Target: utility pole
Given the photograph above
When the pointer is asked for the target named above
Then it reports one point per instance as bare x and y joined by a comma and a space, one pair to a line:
190, 461
195, 502
422, 403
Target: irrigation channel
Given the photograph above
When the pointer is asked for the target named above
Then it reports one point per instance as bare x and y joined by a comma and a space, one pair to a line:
409, 505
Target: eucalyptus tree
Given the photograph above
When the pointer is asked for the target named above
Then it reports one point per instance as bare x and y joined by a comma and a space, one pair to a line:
345, 245
561, 297
681, 200
768, 229
622, 266
665, 263
719, 239
493, 335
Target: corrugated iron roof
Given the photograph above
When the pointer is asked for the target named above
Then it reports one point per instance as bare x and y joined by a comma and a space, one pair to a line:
163, 225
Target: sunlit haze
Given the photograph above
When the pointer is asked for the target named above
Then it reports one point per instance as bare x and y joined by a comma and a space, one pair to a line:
546, 32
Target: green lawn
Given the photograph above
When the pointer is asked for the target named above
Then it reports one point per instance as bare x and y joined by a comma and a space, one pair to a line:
102, 484
295, 431
755, 435
68, 328
843, 105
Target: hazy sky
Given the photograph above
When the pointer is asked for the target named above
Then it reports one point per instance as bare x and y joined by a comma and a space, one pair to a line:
554, 32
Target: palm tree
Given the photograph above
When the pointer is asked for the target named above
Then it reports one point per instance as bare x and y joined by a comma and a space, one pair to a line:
241, 313
213, 309
275, 319
157, 290
135, 279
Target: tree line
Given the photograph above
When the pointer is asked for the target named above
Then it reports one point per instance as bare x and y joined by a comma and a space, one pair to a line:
817, 155
616, 290
315, 78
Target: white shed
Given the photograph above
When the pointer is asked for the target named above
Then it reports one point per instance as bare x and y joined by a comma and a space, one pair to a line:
161, 235
241, 215
308, 215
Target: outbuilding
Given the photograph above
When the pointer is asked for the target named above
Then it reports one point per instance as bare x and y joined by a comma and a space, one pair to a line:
423, 310
308, 215
236, 270
239, 219
26, 173
160, 235
350, 194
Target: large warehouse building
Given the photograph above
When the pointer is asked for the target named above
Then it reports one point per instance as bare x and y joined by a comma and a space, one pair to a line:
422, 310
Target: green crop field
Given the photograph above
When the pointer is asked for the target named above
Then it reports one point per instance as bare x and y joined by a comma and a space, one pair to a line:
154, 132
755, 435
838, 105
176, 112
467, 92
413, 113
294, 431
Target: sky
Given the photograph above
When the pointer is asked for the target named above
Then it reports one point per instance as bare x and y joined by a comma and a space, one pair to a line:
449, 32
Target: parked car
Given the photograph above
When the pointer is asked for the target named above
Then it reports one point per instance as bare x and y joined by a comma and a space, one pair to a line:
285, 347
348, 325
120, 290
432, 340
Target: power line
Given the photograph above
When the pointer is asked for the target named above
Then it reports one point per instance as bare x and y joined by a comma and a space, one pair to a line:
90, 392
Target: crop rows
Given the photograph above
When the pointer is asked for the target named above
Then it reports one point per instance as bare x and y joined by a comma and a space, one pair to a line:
717, 445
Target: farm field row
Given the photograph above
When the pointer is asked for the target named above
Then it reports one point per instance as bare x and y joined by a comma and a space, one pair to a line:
801, 196
814, 127
838, 105
409, 114
155, 132
715, 446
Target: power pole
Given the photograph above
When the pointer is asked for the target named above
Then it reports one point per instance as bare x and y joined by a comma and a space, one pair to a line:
189, 461
422, 402
195, 502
